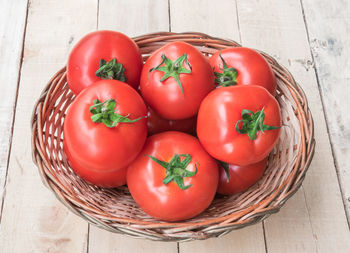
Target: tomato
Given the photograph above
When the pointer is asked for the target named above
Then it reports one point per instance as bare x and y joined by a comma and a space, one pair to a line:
235, 179
244, 66
239, 124
104, 130
157, 124
183, 190
119, 55
175, 79
108, 179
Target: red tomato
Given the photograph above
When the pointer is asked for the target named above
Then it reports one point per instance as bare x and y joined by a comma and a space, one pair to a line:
240, 177
239, 124
84, 60
157, 124
104, 129
175, 79
183, 190
243, 66
108, 179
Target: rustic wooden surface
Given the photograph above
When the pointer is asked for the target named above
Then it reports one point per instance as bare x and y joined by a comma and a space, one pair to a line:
310, 37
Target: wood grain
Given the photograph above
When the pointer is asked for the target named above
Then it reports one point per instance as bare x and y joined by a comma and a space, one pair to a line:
246, 240
282, 31
290, 228
146, 17
33, 220
328, 26
104, 241
11, 33
217, 20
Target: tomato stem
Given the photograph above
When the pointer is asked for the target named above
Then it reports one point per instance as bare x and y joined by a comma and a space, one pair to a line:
111, 70
176, 169
173, 69
228, 77
104, 112
252, 123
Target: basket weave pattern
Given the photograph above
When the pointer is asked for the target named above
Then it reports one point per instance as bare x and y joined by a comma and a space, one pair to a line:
116, 211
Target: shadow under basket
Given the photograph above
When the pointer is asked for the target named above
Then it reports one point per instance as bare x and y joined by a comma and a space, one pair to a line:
116, 211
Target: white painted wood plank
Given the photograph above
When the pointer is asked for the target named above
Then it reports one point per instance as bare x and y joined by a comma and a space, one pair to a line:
242, 241
277, 27
145, 17
33, 220
328, 24
290, 229
216, 19
134, 17
104, 241
11, 41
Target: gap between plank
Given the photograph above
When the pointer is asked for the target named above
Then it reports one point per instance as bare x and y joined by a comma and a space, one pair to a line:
98, 13
14, 109
239, 28
264, 233
87, 239
325, 116
169, 16
308, 214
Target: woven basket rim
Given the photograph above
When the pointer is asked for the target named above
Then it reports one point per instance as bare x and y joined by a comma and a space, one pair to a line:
171, 231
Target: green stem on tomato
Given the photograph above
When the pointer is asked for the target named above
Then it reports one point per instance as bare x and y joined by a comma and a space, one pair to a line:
228, 77
104, 112
173, 69
111, 70
252, 123
176, 169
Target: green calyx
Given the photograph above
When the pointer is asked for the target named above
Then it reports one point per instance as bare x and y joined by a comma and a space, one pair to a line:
226, 167
228, 77
104, 112
174, 69
252, 123
176, 170
111, 70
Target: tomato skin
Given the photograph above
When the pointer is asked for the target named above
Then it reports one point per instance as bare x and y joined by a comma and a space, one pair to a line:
241, 177
251, 66
166, 98
109, 179
217, 118
84, 58
156, 124
169, 202
95, 147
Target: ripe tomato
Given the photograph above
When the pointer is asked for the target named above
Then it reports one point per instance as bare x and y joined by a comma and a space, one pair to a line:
108, 179
104, 129
239, 124
119, 55
175, 79
157, 124
173, 178
235, 179
242, 66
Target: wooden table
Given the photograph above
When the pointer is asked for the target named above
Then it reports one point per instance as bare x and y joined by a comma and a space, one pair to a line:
310, 37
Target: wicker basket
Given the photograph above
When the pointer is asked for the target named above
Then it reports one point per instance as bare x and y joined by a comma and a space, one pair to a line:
116, 211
